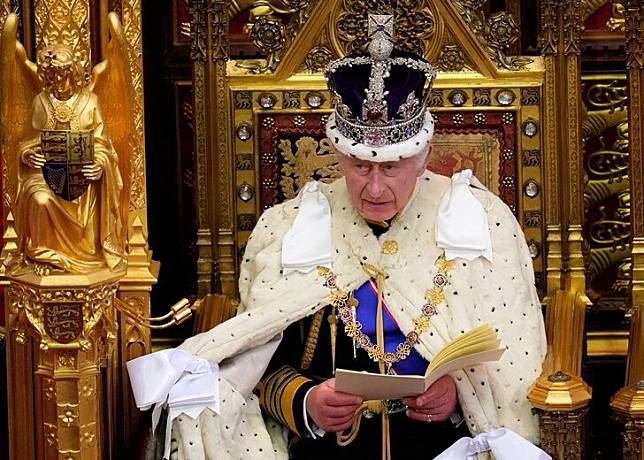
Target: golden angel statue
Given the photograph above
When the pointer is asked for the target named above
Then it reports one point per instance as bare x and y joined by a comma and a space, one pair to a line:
66, 142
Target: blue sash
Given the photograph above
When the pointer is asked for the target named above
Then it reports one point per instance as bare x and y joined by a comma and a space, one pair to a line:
367, 297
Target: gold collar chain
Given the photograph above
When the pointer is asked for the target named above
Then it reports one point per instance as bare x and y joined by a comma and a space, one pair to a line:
345, 303
63, 111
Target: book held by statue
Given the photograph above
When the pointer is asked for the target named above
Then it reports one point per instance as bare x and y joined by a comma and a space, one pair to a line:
476, 346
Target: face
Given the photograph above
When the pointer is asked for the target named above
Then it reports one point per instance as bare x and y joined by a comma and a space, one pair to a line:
379, 190
59, 80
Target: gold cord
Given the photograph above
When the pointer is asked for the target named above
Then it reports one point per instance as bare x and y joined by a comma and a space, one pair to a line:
311, 340
375, 407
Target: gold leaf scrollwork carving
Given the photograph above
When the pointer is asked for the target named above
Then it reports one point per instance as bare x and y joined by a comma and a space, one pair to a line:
51, 435
27, 307
635, 64
549, 27
198, 23
269, 34
272, 26
634, 35
414, 27
88, 436
133, 334
67, 360
606, 195
88, 390
63, 22
318, 58
503, 30
219, 28
131, 14
613, 232
68, 413
200, 144
50, 389
617, 22
496, 33
613, 163
621, 285
601, 260
633, 436
572, 27
561, 431
452, 59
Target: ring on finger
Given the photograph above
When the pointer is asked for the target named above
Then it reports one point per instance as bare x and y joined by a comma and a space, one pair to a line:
429, 418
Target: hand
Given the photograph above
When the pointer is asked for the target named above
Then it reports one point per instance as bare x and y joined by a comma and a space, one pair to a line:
93, 171
34, 158
331, 410
436, 404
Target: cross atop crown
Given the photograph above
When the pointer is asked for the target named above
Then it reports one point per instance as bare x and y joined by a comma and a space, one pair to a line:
381, 26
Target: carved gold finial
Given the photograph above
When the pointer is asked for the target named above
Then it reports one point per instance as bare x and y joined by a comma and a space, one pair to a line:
136, 245
10, 238
140, 267
10, 246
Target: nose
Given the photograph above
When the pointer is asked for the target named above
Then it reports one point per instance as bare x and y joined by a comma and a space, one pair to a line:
375, 183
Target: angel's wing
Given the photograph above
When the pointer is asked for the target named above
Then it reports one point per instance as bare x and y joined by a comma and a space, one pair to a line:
112, 84
19, 84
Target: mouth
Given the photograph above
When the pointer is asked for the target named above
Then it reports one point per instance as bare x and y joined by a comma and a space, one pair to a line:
377, 204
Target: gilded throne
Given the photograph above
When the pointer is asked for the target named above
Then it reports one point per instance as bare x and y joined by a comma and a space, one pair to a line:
258, 138
496, 112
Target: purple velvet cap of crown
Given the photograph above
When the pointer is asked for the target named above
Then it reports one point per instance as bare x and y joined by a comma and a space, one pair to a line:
351, 81
380, 105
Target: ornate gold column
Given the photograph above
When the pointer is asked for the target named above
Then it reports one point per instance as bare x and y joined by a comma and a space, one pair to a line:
63, 327
209, 54
628, 403
550, 51
80, 23
560, 396
134, 340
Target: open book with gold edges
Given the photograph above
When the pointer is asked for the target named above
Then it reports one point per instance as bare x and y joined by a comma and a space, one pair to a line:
476, 346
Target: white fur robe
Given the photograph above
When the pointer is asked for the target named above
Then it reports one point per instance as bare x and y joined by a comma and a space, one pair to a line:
500, 293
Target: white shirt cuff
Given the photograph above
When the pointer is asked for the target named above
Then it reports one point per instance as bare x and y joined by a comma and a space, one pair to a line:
314, 430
